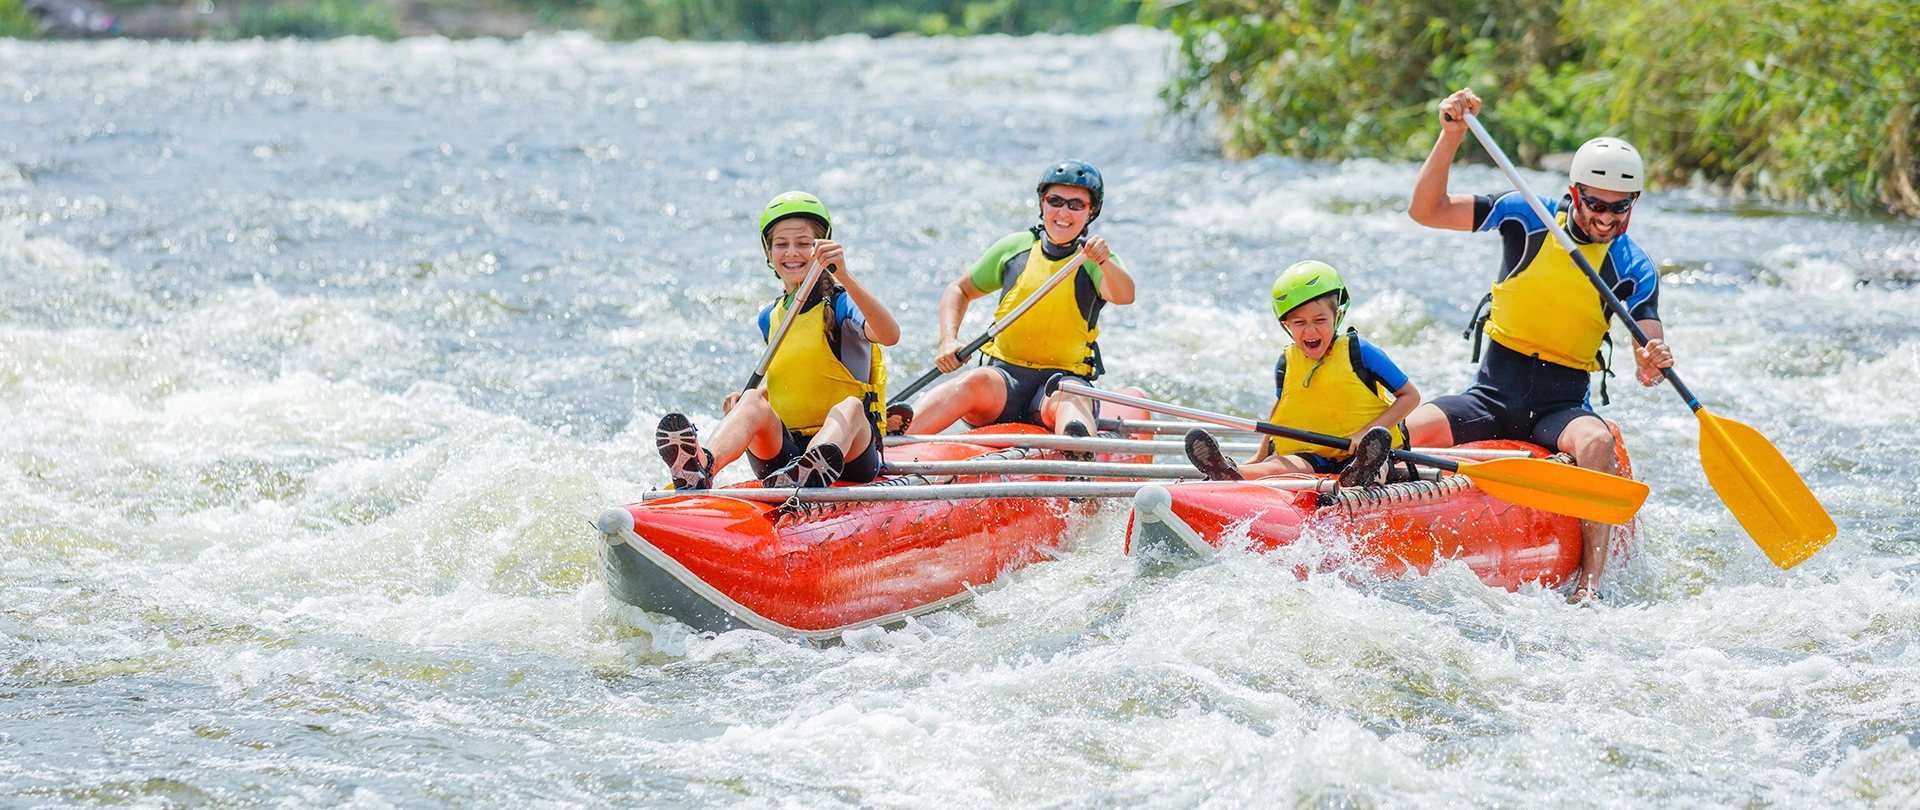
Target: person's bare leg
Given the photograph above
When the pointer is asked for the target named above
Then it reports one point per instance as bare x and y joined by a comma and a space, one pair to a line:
751, 424
846, 428
1592, 446
1059, 410
1427, 426
1274, 465
978, 396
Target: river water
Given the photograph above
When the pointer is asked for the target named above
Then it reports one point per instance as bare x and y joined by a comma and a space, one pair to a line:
316, 359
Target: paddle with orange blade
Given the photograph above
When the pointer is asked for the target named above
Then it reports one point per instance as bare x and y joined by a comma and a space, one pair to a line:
1758, 485
1562, 489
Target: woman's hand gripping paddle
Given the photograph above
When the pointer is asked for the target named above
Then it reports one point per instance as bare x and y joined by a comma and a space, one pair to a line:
799, 294
994, 329
1758, 485
1562, 489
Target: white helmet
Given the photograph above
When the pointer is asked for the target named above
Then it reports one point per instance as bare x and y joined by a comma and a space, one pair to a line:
1609, 163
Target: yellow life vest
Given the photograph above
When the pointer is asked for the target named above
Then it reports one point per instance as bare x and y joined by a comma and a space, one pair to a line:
1053, 334
1327, 396
806, 378
1549, 308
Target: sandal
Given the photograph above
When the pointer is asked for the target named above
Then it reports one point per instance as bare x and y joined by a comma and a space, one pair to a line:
1078, 431
818, 467
1204, 452
1368, 467
690, 466
1584, 594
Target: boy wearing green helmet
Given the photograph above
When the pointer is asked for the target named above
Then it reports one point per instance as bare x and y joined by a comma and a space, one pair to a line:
1326, 382
1056, 339
814, 418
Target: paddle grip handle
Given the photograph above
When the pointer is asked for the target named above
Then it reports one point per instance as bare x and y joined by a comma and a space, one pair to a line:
1560, 234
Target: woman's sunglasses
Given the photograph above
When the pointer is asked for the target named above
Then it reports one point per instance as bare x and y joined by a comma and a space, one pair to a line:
1057, 201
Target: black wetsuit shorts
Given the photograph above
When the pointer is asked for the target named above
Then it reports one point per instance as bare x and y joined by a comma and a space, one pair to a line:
1517, 396
860, 469
1027, 388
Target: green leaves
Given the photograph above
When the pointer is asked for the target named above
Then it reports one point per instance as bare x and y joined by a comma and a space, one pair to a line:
1805, 100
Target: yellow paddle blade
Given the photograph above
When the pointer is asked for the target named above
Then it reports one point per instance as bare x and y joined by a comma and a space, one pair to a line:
1762, 491
1562, 489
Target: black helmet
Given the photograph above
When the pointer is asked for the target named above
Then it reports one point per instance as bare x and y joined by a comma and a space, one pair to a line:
1075, 173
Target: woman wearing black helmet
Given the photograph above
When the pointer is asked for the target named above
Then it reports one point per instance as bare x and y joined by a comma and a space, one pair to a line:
1056, 338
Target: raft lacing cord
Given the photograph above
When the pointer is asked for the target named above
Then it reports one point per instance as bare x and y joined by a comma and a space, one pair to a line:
794, 510
1354, 501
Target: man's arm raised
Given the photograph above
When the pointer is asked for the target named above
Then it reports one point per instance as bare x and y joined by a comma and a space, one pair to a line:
1431, 205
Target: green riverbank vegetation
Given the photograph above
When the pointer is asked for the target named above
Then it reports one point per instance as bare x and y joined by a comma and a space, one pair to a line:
1814, 101
777, 20
15, 21
740, 20
323, 19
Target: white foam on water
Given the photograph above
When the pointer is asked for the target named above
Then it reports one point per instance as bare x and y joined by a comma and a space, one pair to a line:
317, 359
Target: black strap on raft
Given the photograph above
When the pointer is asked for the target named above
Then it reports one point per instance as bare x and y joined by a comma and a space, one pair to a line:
1477, 325
1605, 358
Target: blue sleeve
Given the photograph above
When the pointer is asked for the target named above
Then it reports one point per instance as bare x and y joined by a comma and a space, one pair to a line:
848, 314
851, 319
1509, 206
1376, 361
766, 322
1639, 285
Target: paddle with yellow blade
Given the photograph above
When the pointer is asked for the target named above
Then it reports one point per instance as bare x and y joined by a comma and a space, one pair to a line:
1758, 485
1562, 489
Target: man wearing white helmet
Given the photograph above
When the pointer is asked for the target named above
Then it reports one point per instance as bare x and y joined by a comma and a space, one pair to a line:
1544, 318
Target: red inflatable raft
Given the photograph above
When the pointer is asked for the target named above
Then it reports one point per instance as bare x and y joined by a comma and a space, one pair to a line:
1386, 531
719, 563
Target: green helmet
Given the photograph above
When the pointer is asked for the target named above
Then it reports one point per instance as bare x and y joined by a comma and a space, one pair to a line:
793, 204
1305, 281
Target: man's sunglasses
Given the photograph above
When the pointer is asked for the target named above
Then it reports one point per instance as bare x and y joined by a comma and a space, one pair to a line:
1057, 201
1597, 205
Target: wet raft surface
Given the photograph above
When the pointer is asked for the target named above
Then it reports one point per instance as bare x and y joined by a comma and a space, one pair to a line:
316, 359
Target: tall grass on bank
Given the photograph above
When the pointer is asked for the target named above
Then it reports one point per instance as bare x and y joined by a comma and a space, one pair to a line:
783, 20
15, 22
1806, 100
1344, 79
316, 19
1802, 100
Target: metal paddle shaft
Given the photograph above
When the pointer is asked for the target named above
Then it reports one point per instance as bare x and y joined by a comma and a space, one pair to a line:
1049, 441
800, 294
1759, 487
892, 493
1139, 447
994, 329
1558, 488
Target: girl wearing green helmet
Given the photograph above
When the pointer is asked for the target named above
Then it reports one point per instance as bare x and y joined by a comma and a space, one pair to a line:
1326, 382
813, 418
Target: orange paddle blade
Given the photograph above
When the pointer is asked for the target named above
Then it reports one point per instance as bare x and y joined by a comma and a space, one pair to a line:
1762, 491
1562, 489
